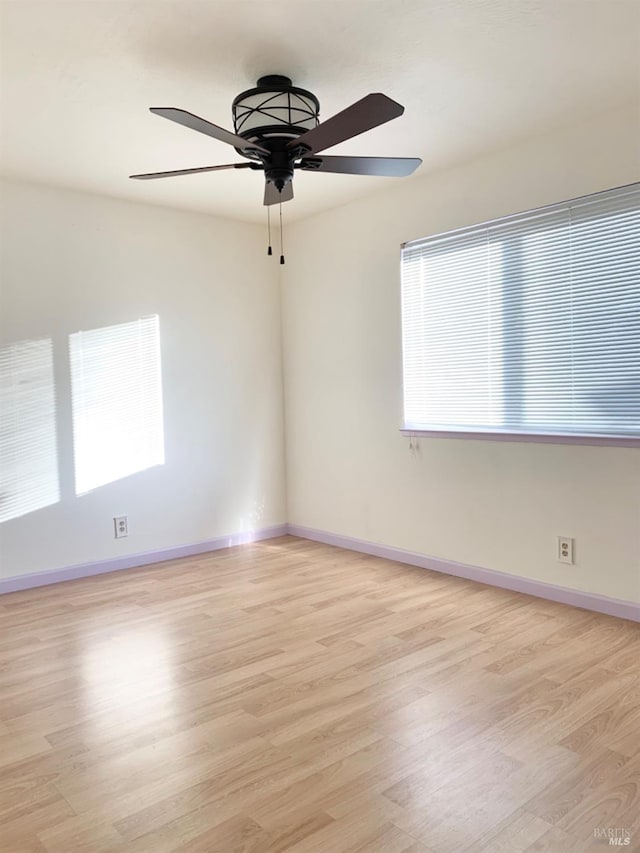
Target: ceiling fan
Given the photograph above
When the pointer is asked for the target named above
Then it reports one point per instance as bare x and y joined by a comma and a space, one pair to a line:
277, 129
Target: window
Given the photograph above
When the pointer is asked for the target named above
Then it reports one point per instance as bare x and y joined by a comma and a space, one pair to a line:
116, 401
28, 445
527, 325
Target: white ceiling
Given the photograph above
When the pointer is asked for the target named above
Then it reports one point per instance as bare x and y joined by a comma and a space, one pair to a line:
78, 77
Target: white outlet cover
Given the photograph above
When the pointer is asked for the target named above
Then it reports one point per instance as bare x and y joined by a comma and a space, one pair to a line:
120, 526
565, 550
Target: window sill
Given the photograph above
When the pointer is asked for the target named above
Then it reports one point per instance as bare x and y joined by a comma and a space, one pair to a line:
539, 438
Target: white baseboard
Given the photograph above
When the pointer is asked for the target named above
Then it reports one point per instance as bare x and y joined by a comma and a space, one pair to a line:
528, 586
131, 561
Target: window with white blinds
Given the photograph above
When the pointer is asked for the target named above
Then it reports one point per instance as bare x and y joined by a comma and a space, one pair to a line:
528, 324
28, 445
116, 390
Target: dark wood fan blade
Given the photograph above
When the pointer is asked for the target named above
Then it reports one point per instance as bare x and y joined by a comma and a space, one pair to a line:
149, 176
384, 167
365, 114
272, 194
202, 126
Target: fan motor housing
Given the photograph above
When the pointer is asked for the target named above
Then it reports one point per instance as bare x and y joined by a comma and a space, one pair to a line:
273, 114
275, 108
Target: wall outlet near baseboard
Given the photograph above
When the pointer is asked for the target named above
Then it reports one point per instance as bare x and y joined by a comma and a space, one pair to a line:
565, 550
121, 526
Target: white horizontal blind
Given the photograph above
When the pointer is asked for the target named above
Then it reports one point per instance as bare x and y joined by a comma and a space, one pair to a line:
116, 401
28, 446
527, 324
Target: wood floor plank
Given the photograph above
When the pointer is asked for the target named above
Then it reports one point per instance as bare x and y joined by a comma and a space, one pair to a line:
291, 696
80, 835
557, 841
514, 835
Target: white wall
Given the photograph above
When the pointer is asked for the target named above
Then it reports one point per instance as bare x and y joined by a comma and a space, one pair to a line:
74, 261
491, 504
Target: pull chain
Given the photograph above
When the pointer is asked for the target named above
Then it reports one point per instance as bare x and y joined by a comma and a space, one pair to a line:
269, 250
281, 237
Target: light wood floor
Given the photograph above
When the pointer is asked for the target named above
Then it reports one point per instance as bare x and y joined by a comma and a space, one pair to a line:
292, 696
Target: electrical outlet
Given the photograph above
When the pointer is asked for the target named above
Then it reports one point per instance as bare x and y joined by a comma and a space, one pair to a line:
565, 550
121, 526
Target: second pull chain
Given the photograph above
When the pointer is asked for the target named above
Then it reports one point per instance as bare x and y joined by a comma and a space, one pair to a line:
281, 237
